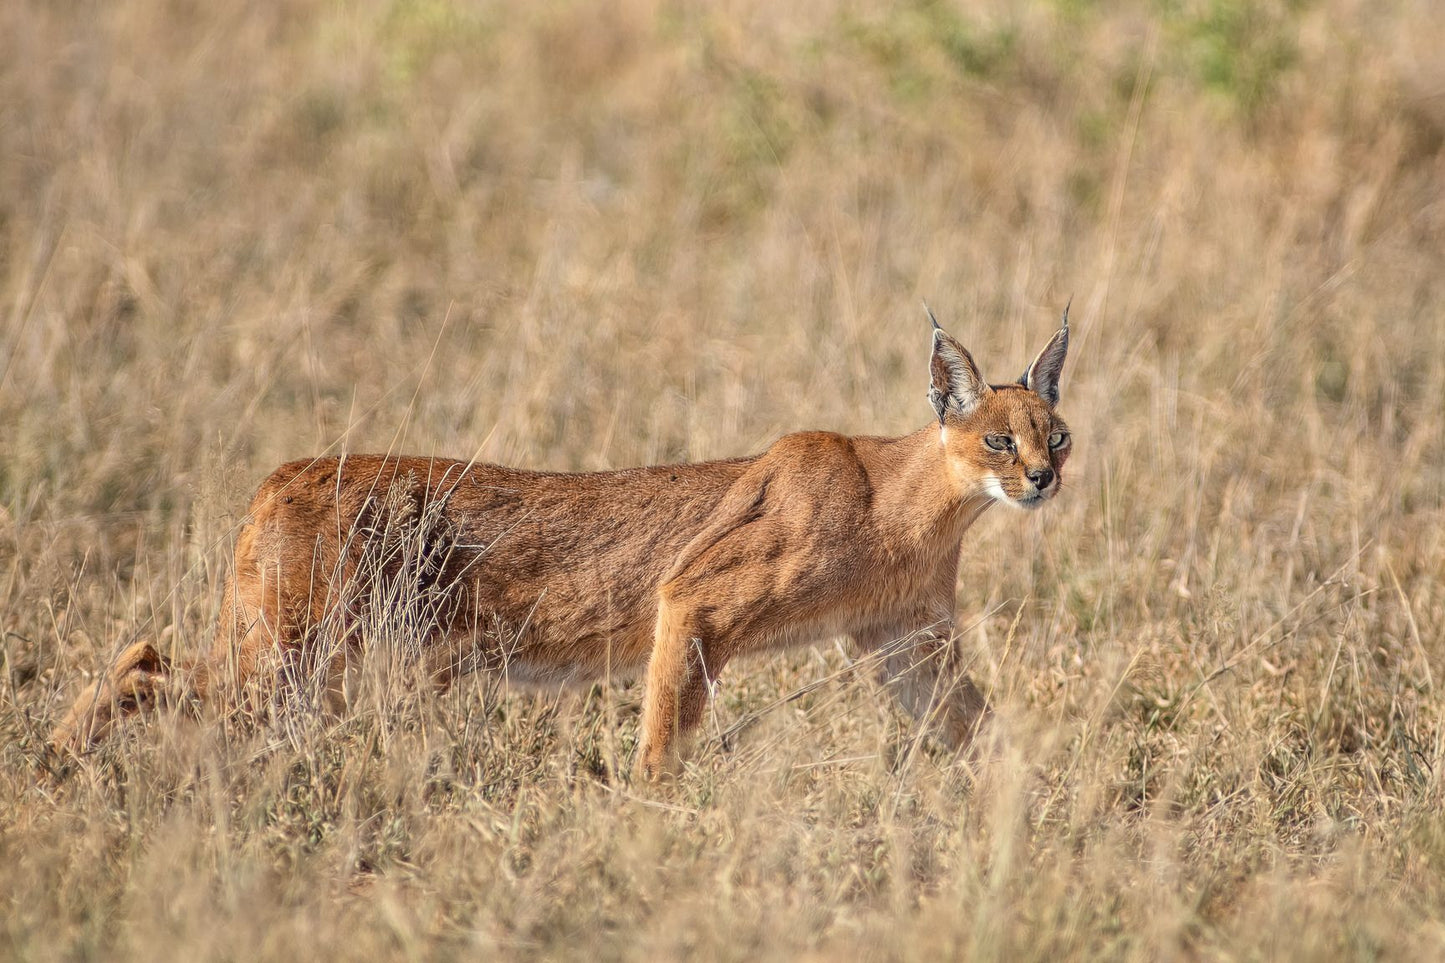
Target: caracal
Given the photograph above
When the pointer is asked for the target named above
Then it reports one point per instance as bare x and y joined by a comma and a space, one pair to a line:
673, 570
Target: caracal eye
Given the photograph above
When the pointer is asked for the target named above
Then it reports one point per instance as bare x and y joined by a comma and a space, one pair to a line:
1058, 439
999, 442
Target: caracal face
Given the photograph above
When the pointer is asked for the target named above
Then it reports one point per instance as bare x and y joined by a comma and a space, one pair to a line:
1016, 444
1006, 440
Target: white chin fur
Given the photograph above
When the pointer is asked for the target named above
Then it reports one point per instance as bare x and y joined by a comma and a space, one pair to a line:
1038, 498
994, 490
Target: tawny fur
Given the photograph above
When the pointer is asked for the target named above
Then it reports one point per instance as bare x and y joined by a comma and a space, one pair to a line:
672, 570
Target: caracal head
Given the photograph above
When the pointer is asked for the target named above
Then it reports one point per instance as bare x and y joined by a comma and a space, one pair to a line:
1005, 441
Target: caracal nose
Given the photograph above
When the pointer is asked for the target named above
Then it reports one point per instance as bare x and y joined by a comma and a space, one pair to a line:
1041, 477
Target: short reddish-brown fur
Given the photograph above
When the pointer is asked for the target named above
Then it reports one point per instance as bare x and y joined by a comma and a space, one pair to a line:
672, 570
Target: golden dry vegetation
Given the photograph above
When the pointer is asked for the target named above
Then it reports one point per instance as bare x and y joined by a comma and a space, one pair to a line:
578, 236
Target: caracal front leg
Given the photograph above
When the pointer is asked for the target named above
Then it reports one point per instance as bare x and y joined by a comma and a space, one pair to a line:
703, 608
924, 669
679, 675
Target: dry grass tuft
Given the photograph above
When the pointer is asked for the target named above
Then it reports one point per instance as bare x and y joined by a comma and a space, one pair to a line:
571, 236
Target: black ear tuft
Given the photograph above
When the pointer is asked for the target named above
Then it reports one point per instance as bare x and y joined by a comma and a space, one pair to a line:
936, 325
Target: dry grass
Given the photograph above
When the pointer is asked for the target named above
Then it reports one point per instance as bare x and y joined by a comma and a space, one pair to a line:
573, 236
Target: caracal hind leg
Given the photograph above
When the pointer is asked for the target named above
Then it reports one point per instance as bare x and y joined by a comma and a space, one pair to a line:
679, 677
261, 637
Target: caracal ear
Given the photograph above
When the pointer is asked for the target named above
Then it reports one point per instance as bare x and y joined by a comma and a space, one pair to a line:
956, 386
1042, 377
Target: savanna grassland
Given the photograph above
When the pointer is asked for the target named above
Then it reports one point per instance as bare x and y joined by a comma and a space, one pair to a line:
580, 236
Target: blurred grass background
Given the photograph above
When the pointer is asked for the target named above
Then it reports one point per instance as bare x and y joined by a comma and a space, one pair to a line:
583, 236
